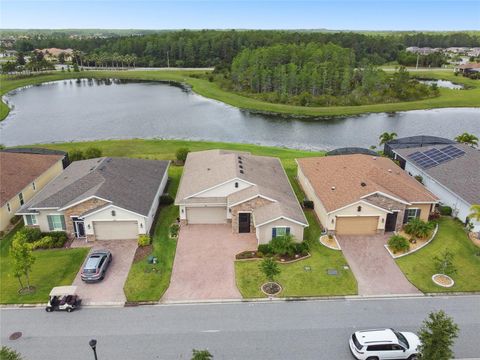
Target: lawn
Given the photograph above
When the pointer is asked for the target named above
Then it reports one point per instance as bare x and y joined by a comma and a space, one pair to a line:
419, 267
51, 268
447, 98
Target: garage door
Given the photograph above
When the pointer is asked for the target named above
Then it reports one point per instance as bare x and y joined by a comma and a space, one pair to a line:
115, 230
207, 215
358, 225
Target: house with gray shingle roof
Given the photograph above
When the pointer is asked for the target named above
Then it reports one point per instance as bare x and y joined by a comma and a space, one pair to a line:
100, 199
450, 171
252, 193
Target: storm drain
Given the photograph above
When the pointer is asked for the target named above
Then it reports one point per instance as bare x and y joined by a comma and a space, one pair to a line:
15, 335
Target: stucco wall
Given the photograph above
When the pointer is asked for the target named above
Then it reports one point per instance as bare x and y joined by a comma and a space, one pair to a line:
154, 207
425, 210
247, 206
264, 233
352, 210
28, 193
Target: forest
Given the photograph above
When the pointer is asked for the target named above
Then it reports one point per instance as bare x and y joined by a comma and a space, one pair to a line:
319, 75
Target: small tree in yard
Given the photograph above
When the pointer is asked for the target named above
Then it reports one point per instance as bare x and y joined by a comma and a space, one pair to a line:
201, 355
9, 354
23, 259
181, 154
437, 335
398, 243
444, 263
269, 268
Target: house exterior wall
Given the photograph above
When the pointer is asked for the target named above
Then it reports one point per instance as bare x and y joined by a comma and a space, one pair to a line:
264, 232
425, 210
247, 206
352, 211
156, 201
28, 192
77, 210
42, 222
390, 204
225, 189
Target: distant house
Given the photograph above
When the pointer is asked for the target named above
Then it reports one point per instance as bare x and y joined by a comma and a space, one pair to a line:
362, 194
22, 176
449, 170
52, 54
100, 199
252, 193
467, 68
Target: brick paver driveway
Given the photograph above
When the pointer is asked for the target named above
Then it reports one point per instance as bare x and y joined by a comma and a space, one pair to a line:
375, 270
204, 263
110, 289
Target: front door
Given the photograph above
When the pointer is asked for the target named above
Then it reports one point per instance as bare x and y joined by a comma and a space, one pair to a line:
391, 222
79, 227
244, 222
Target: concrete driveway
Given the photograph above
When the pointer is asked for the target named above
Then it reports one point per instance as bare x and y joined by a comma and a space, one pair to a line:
204, 263
109, 290
375, 270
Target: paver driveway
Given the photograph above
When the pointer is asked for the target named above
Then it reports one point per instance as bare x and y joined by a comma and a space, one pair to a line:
375, 270
110, 289
204, 263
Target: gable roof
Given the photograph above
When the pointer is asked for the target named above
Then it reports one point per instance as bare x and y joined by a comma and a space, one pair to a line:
131, 184
460, 175
204, 170
17, 170
342, 180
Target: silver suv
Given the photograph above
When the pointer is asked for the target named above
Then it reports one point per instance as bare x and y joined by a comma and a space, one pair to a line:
96, 266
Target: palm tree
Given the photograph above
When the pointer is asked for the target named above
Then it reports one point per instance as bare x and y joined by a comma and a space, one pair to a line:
475, 209
468, 139
386, 137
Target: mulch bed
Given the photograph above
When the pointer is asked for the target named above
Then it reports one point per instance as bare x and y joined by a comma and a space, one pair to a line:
142, 252
271, 288
250, 255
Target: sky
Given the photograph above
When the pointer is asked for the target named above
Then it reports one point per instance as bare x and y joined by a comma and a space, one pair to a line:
241, 14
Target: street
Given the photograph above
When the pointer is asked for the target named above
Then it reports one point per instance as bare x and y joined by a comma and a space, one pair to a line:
277, 330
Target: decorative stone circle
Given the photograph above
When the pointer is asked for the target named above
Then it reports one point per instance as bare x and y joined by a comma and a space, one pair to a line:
271, 288
443, 280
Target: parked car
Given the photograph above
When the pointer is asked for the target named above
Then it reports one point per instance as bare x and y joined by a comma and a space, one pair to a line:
63, 298
96, 265
384, 344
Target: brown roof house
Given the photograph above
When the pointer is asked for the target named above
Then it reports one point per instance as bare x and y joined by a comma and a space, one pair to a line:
362, 194
250, 192
23, 175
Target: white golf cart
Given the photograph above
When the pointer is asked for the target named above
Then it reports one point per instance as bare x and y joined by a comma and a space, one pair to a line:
63, 298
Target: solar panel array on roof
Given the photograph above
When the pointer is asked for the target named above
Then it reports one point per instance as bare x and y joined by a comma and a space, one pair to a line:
434, 157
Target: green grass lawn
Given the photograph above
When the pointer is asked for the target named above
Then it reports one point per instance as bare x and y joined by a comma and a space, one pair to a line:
419, 267
51, 268
447, 98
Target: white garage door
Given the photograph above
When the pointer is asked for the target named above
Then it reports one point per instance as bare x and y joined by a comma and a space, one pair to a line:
207, 215
115, 230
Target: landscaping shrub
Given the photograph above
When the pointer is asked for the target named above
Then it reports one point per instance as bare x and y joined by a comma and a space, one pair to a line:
419, 178
46, 242
181, 154
144, 240
283, 245
30, 234
59, 238
269, 268
92, 152
265, 249
301, 248
308, 204
174, 229
166, 199
418, 228
445, 210
398, 243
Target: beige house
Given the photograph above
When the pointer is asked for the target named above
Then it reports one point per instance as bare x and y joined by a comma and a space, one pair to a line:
362, 194
252, 193
100, 199
23, 175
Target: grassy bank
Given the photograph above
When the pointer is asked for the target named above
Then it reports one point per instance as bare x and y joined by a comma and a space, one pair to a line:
447, 98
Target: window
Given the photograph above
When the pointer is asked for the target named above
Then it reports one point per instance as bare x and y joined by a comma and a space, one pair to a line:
20, 198
56, 222
280, 231
411, 214
30, 220
34, 187
8, 207
383, 347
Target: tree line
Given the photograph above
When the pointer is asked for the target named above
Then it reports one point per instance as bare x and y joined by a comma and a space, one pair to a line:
319, 75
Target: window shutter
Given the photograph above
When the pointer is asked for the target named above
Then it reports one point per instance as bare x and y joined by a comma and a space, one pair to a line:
274, 233
287, 231
50, 222
62, 219
418, 212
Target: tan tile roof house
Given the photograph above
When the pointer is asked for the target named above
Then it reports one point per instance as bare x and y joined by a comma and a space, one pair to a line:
250, 192
100, 199
362, 194
22, 175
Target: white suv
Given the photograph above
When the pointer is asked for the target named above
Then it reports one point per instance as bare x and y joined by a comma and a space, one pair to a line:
384, 344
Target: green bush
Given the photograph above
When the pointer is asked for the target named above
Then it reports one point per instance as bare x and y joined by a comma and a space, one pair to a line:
301, 248
144, 240
7, 353
418, 228
265, 249
93, 152
76, 155
181, 154
59, 238
308, 204
166, 199
174, 229
269, 268
47, 242
398, 243
445, 210
283, 245
31, 234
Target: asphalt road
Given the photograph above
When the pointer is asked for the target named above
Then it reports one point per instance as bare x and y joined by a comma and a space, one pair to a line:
279, 330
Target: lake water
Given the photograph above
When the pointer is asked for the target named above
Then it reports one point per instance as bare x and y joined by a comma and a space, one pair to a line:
82, 110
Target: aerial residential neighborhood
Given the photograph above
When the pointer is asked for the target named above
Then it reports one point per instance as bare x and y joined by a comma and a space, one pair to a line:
239, 180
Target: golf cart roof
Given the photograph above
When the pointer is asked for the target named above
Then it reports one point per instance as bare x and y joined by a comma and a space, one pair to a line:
63, 290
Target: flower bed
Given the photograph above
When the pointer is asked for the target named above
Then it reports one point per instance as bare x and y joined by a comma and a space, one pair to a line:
271, 288
284, 259
330, 242
417, 245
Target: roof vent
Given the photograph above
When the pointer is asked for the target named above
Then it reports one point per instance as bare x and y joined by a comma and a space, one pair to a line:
333, 187
208, 169
239, 158
363, 184
242, 172
374, 158
389, 170
240, 166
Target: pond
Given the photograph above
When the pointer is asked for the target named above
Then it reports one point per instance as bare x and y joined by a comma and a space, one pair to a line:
80, 110
442, 84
